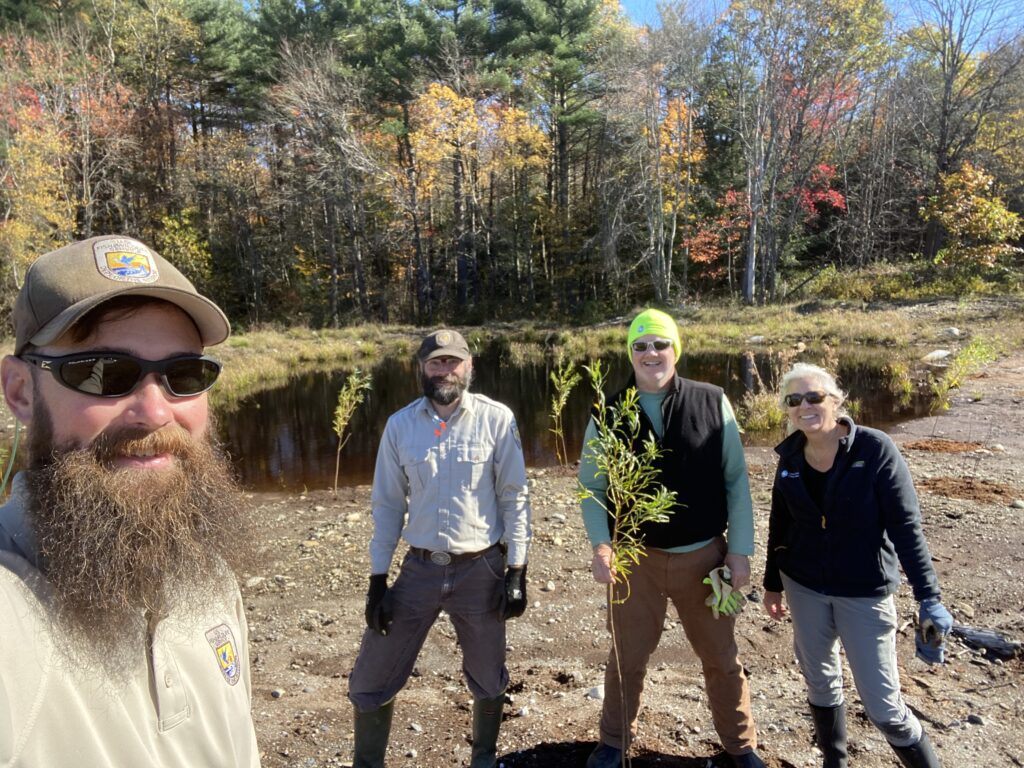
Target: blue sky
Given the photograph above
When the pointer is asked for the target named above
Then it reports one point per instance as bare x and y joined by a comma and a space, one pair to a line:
641, 11
646, 11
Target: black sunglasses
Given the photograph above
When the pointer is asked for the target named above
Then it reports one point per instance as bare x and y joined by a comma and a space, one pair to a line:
813, 398
659, 344
114, 374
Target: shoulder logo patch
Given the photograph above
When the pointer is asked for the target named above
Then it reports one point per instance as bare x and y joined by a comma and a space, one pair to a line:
125, 261
222, 641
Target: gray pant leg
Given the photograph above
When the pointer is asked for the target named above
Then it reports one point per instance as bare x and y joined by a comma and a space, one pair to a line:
385, 662
473, 604
867, 627
816, 643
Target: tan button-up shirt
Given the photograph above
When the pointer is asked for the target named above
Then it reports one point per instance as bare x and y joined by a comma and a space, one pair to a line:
181, 703
455, 485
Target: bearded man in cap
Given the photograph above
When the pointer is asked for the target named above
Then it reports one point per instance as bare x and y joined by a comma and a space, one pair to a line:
123, 635
450, 479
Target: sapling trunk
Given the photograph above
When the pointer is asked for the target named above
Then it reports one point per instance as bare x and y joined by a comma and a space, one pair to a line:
564, 379
634, 496
349, 398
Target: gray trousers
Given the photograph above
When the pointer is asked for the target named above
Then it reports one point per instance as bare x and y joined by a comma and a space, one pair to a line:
470, 592
867, 628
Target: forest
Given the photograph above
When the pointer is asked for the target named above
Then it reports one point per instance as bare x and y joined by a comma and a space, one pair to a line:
327, 162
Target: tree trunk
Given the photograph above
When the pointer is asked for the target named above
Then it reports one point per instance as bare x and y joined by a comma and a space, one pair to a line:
459, 233
330, 239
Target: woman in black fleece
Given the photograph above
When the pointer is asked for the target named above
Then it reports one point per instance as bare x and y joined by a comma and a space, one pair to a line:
844, 517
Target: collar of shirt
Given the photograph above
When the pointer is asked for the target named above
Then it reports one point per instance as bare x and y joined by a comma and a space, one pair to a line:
466, 403
794, 443
16, 534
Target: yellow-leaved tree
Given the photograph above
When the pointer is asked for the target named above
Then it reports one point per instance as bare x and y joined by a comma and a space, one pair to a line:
38, 214
446, 127
978, 224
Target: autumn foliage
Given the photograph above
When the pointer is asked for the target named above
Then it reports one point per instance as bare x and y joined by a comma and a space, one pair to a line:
422, 162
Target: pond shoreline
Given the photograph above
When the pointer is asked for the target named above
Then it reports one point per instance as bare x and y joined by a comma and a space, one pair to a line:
266, 358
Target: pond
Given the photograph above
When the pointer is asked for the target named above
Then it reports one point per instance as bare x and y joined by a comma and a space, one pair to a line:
282, 439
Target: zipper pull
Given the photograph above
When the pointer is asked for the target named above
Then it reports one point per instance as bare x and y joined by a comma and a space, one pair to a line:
823, 522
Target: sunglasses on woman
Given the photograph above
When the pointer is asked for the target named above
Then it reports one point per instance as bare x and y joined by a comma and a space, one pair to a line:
813, 398
659, 344
114, 374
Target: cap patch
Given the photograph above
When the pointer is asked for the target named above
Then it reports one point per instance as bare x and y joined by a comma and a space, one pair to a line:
125, 261
443, 338
222, 641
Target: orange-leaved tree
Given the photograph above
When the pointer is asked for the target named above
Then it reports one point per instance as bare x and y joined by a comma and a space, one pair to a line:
977, 222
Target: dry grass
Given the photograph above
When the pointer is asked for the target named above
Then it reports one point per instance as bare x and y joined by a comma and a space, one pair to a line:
267, 357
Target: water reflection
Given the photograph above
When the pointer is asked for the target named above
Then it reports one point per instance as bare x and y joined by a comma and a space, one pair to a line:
282, 439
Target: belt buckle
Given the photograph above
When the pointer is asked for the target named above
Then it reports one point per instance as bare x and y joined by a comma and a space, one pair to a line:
440, 558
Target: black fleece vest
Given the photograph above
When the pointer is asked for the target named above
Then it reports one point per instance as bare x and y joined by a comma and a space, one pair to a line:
691, 464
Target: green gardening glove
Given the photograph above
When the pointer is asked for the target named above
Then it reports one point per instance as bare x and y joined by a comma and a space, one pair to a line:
723, 598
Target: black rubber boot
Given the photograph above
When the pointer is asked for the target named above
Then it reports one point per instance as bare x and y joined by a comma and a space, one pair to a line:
372, 731
604, 756
920, 755
486, 724
748, 760
830, 728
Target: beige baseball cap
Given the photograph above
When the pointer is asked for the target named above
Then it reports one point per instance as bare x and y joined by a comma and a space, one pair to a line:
443, 343
62, 286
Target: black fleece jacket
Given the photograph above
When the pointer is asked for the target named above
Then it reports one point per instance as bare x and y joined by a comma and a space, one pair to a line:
870, 518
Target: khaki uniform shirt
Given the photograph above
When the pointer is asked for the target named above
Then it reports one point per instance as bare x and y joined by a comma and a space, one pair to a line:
450, 486
184, 703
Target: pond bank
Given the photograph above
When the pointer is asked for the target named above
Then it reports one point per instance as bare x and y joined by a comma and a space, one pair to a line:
264, 359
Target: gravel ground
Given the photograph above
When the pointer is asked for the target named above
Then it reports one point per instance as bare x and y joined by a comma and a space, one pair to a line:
305, 606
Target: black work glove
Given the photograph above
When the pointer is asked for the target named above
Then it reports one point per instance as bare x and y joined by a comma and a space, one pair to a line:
515, 592
378, 607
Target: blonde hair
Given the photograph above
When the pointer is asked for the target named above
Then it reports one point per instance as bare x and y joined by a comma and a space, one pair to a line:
819, 374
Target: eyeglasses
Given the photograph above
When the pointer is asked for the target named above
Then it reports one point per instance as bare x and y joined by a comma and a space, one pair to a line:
794, 399
113, 374
659, 344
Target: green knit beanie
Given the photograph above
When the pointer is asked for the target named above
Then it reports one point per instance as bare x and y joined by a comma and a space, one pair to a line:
657, 323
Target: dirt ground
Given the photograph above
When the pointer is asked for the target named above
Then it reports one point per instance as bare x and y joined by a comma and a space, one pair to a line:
305, 607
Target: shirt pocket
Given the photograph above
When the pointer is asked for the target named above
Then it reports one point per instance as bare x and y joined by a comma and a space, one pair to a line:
419, 467
472, 459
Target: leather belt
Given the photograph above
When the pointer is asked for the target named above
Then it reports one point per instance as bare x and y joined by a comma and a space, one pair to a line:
447, 558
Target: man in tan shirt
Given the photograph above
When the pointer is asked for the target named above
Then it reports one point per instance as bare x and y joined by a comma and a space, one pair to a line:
123, 638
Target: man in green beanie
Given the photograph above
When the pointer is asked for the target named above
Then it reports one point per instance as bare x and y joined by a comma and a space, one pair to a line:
711, 525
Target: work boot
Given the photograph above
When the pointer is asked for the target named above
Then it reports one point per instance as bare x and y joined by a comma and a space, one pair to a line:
605, 757
920, 755
372, 731
747, 760
486, 724
830, 727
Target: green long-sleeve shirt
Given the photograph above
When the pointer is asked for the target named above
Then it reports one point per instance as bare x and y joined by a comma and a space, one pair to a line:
740, 530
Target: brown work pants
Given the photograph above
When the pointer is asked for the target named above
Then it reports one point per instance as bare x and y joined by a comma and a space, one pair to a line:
659, 577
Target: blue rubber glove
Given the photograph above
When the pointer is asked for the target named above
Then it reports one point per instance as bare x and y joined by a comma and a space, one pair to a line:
934, 622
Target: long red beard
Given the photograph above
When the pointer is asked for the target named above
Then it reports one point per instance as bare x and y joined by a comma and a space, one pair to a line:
118, 545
